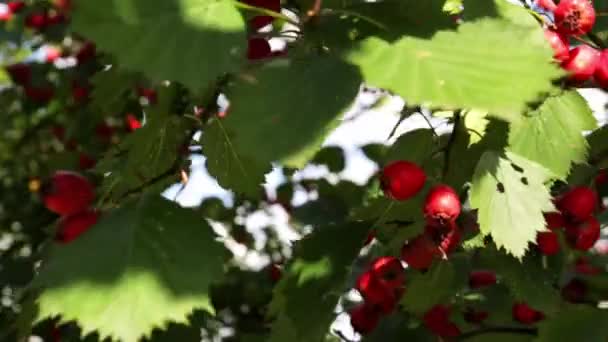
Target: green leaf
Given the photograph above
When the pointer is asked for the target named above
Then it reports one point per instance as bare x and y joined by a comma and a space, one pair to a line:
395, 328
332, 157
110, 88
577, 323
511, 196
428, 289
141, 266
552, 135
470, 74
415, 146
527, 280
314, 281
271, 121
189, 41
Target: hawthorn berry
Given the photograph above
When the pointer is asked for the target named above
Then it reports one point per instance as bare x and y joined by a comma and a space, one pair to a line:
602, 176
420, 252
15, 6
547, 5
574, 17
583, 266
132, 123
437, 320
555, 220
402, 180
72, 226
55, 18
67, 193
260, 21
525, 314
86, 53
51, 54
548, 243
39, 94
36, 20
584, 235
442, 206
601, 71
364, 318
275, 273
478, 279
389, 271
559, 43
578, 204
85, 162
581, 63
20, 73
376, 293
258, 48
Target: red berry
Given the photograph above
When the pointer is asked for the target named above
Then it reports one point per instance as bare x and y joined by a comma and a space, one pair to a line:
370, 237
547, 5
67, 193
86, 53
149, 94
601, 71
52, 53
258, 48
525, 314
364, 319
442, 206
63, 5
574, 17
15, 6
548, 243
36, 20
555, 220
474, 316
479, 279
42, 94
583, 236
55, 18
437, 320
275, 273
583, 266
132, 123
578, 204
389, 271
104, 131
20, 73
574, 291
85, 162
559, 43
376, 293
72, 226
420, 252
581, 63
402, 180
6, 15
602, 176
262, 20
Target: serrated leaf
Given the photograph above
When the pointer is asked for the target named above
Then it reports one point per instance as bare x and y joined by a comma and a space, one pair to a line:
415, 146
470, 74
315, 279
428, 289
510, 195
577, 323
552, 136
271, 121
141, 266
189, 41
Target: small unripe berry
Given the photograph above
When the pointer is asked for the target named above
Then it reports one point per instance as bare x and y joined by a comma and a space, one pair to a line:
402, 180
67, 193
548, 243
525, 314
442, 206
574, 17
364, 318
478, 279
420, 252
601, 71
559, 43
583, 236
581, 63
72, 226
578, 204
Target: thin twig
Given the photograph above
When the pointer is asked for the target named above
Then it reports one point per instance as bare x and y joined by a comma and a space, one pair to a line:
448, 147
506, 330
266, 12
406, 112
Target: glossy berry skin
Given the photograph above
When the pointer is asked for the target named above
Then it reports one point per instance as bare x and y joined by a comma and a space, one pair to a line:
555, 220
67, 193
72, 226
132, 123
560, 45
525, 314
258, 48
583, 236
574, 17
364, 319
420, 253
442, 206
548, 243
36, 21
601, 71
478, 279
547, 5
375, 293
389, 272
578, 204
402, 180
15, 6
437, 320
581, 63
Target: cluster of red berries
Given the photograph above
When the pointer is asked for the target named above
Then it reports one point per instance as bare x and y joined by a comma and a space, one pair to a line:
575, 216
402, 180
573, 18
381, 287
70, 195
258, 47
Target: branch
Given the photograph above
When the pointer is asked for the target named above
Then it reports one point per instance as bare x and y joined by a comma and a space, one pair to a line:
449, 145
506, 330
406, 112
